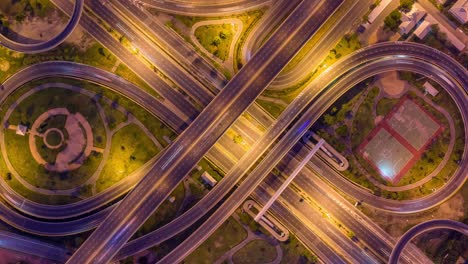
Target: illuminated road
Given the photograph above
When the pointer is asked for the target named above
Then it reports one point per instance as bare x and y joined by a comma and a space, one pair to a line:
34, 247
398, 49
278, 151
205, 7
180, 157
424, 227
49, 44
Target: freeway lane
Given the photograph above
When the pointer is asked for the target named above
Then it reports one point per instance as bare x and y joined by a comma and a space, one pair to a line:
311, 220
199, 211
49, 44
279, 150
153, 53
34, 247
379, 49
379, 52
201, 135
172, 99
205, 7
424, 227
348, 16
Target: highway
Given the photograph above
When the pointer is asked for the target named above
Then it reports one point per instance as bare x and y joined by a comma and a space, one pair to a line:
181, 156
75, 73
34, 247
312, 220
157, 50
424, 227
172, 99
268, 163
51, 43
346, 19
205, 7
266, 25
397, 51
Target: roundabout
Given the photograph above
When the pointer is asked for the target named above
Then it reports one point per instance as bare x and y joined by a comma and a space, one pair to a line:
59, 142
60, 151
75, 150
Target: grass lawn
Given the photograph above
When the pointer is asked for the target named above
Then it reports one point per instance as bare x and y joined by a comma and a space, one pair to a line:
164, 214
212, 169
155, 126
345, 46
130, 149
21, 159
38, 103
228, 235
256, 251
33, 196
249, 19
363, 123
295, 252
216, 39
384, 106
18, 147
272, 108
114, 117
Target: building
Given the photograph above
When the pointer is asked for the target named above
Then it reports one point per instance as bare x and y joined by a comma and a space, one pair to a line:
430, 89
460, 11
21, 130
376, 12
410, 20
208, 179
423, 29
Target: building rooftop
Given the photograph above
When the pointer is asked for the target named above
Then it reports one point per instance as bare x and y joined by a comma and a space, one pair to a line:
460, 11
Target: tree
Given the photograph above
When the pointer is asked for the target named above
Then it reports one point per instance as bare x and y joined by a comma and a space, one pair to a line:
393, 20
329, 119
406, 5
101, 51
238, 139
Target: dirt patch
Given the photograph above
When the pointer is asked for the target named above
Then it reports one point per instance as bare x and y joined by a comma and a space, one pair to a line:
391, 85
39, 29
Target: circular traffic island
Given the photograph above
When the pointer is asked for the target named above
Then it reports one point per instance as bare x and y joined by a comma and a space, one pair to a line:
53, 138
65, 140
